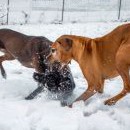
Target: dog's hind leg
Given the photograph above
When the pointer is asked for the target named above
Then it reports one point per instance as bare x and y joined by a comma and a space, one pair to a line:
4, 57
122, 64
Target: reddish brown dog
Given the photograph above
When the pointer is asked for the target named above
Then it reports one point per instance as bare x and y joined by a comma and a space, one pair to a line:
99, 59
22, 47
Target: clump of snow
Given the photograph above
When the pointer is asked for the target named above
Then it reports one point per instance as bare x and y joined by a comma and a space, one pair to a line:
45, 114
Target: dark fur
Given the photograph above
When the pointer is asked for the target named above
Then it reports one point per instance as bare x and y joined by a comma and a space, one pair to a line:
22, 47
54, 79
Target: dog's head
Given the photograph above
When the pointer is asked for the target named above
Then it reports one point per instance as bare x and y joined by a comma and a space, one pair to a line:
61, 50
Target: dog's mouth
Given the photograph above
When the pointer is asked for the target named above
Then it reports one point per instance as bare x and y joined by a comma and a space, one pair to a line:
51, 59
65, 64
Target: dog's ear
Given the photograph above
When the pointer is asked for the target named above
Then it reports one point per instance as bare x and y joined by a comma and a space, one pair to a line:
66, 43
69, 43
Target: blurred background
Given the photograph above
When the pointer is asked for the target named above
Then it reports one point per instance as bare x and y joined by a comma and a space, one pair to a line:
63, 11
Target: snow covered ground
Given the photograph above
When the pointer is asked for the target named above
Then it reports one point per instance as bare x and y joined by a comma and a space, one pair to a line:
46, 114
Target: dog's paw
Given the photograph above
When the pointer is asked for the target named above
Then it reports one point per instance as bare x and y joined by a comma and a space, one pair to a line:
65, 103
110, 102
4, 75
29, 98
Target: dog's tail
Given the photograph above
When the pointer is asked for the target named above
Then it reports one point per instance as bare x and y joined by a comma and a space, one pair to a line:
3, 73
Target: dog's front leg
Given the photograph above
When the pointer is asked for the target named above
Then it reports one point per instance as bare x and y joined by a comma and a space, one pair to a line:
92, 89
35, 92
86, 95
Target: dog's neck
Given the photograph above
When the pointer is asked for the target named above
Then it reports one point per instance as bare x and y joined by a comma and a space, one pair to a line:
81, 44
85, 57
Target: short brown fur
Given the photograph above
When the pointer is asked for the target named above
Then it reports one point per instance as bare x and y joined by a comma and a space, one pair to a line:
99, 59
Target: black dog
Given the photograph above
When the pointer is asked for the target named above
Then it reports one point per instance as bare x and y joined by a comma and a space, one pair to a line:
56, 80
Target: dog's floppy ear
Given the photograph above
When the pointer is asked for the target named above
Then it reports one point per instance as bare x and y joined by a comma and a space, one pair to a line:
69, 43
66, 43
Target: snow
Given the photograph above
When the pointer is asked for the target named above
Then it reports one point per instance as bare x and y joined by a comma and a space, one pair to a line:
45, 114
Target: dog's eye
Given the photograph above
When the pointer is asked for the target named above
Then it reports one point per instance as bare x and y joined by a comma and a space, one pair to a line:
53, 50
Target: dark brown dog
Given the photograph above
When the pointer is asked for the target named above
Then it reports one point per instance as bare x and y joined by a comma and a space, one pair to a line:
99, 59
24, 48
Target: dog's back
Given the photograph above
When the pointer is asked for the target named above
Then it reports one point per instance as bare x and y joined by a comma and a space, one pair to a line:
22, 47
